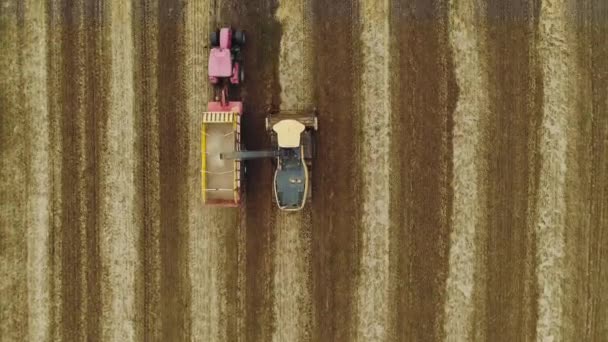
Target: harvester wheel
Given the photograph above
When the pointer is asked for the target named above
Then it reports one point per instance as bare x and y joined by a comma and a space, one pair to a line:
239, 37
313, 148
309, 193
214, 39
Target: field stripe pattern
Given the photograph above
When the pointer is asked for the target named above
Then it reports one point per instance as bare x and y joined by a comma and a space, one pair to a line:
555, 49
464, 283
372, 295
292, 303
424, 93
515, 95
459, 189
39, 174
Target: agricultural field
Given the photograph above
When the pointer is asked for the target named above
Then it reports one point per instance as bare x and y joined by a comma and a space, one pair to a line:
460, 189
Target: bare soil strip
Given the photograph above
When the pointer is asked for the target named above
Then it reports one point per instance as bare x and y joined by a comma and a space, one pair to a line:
557, 57
174, 149
39, 184
464, 309
98, 78
234, 283
250, 289
336, 204
82, 97
597, 314
586, 180
54, 63
373, 287
145, 78
119, 226
578, 192
73, 181
511, 137
424, 98
14, 164
292, 287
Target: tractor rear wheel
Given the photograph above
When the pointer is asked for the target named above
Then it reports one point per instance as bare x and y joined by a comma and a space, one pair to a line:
214, 39
239, 37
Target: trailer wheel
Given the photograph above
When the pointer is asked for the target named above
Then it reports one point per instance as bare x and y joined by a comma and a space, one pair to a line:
214, 39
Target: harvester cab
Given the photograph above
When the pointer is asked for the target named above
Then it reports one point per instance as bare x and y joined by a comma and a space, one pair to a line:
292, 181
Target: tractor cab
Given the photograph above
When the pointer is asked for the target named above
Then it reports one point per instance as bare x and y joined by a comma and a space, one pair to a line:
225, 64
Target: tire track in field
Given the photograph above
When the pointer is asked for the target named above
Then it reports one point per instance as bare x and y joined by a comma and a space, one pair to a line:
54, 63
13, 187
586, 178
336, 205
511, 135
174, 148
292, 281
145, 78
211, 258
556, 54
227, 225
256, 235
597, 261
73, 180
230, 224
98, 79
577, 225
254, 243
464, 307
373, 287
425, 92
83, 105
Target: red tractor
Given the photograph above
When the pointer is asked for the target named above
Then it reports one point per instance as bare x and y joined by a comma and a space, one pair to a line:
225, 60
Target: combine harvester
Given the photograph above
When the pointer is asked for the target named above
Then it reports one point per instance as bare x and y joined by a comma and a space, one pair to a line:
223, 152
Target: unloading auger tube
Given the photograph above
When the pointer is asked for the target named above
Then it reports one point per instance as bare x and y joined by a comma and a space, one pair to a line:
246, 155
